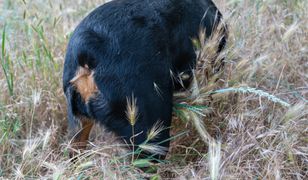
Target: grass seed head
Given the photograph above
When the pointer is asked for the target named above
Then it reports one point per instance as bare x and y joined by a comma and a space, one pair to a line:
154, 148
155, 131
132, 110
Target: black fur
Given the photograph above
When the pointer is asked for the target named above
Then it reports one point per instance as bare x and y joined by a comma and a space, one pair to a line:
130, 45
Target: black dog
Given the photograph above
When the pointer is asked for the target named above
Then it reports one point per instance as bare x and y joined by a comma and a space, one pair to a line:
130, 47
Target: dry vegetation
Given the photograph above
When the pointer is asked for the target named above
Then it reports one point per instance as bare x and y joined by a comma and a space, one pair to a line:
249, 121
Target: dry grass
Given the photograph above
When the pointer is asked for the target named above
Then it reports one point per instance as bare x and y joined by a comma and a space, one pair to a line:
252, 116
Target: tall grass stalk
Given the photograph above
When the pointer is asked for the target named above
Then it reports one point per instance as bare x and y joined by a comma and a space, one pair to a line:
132, 116
214, 157
6, 65
256, 92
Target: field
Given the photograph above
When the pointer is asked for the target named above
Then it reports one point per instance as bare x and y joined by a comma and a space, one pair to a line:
246, 121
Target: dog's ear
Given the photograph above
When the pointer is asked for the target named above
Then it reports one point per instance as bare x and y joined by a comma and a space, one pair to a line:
84, 83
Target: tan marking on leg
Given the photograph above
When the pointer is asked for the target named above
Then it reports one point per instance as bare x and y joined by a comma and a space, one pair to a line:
84, 83
80, 141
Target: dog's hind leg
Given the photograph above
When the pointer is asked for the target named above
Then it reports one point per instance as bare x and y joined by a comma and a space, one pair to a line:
79, 141
79, 125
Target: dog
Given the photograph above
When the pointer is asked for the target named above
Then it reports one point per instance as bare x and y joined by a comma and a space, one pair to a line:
125, 51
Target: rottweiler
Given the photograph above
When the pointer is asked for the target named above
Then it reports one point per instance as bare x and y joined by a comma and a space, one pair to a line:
133, 48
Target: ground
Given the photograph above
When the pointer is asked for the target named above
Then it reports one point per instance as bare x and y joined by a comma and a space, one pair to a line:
248, 121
